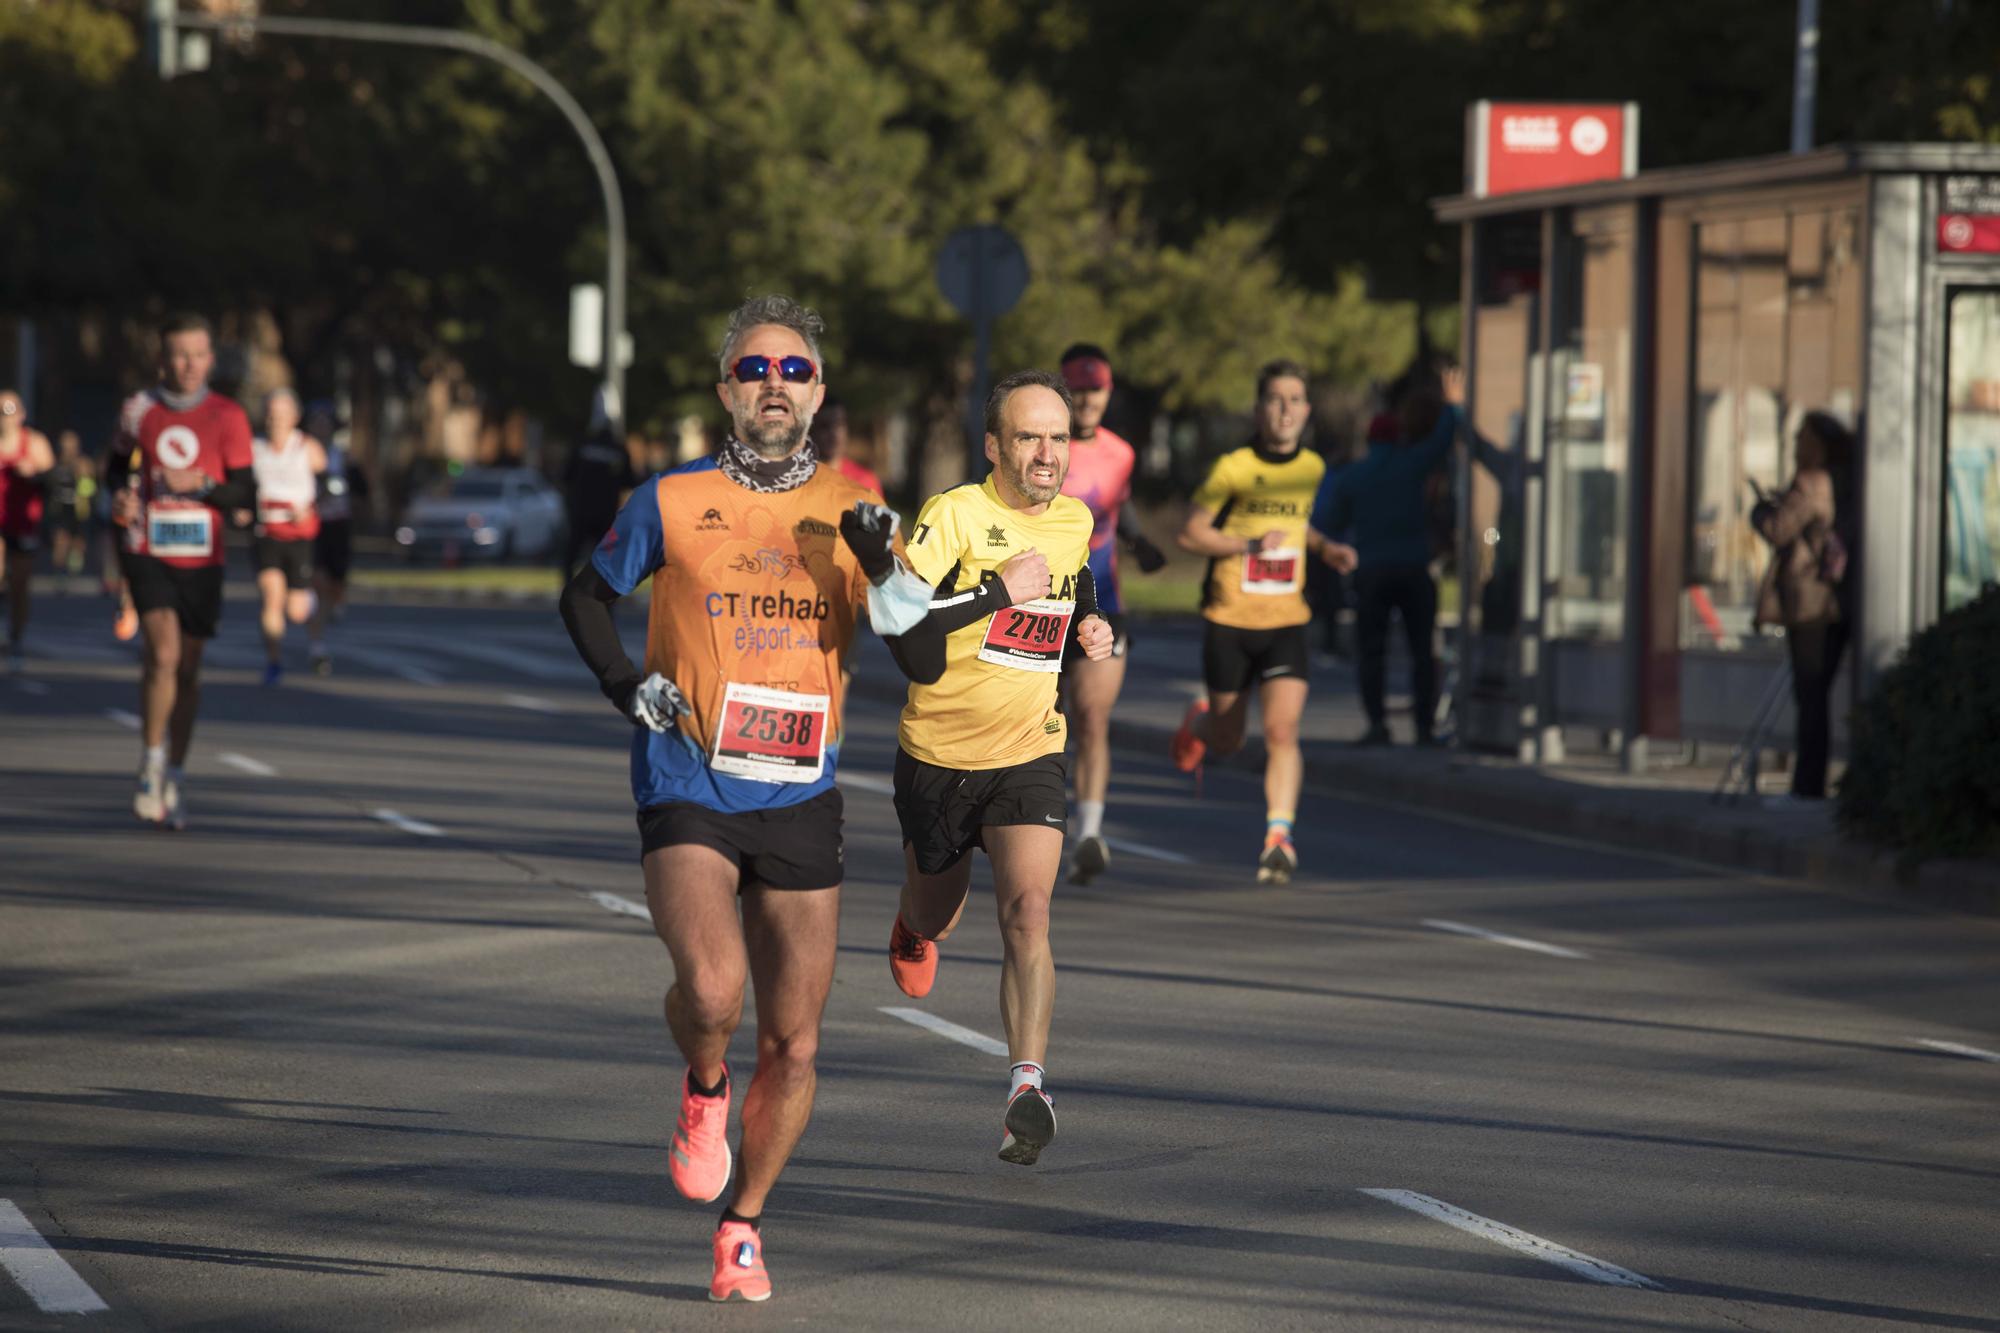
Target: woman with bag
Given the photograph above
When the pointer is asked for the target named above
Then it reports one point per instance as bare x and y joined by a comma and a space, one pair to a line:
1805, 585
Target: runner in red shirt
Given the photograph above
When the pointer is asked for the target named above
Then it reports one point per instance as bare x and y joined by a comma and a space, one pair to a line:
191, 450
25, 459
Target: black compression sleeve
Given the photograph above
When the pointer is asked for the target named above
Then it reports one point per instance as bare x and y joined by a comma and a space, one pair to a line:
1128, 526
1086, 600
587, 604
919, 650
237, 490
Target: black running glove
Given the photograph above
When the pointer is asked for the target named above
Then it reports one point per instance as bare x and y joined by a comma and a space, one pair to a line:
870, 532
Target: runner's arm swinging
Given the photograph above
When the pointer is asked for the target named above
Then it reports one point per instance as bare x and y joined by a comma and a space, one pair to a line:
586, 604
919, 650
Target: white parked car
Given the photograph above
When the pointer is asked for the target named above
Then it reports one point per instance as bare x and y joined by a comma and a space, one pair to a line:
491, 513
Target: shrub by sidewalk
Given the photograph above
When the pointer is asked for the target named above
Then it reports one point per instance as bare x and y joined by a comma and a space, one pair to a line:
1923, 773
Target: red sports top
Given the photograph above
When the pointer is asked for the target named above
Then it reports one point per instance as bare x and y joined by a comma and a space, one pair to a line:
214, 436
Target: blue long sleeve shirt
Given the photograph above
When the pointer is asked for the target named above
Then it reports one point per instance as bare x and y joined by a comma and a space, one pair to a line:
1380, 500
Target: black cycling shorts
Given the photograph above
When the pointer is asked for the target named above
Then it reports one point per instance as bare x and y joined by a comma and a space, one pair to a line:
294, 558
194, 595
790, 847
333, 549
943, 810
1233, 659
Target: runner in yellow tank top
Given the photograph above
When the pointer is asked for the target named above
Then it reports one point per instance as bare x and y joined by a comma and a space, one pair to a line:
1251, 518
981, 763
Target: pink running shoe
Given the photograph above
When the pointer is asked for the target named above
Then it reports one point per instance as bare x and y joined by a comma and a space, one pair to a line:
739, 1265
698, 1157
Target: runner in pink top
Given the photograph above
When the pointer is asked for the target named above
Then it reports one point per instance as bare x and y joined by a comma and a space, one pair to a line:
1100, 475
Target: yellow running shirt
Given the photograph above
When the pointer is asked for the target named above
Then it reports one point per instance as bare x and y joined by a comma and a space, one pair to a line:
1250, 492
995, 704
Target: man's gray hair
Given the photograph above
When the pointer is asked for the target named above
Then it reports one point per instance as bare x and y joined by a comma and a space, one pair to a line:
773, 309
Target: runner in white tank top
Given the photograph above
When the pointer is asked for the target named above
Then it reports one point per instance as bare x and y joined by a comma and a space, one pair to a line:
287, 522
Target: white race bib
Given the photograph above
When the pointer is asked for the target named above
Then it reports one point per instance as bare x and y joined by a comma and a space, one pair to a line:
771, 735
180, 532
1028, 637
1272, 572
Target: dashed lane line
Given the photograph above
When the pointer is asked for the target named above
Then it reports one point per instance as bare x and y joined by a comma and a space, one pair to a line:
123, 718
611, 902
1521, 1242
256, 768
1149, 851
978, 1041
46, 1276
1960, 1049
35, 687
1495, 937
529, 702
862, 782
408, 825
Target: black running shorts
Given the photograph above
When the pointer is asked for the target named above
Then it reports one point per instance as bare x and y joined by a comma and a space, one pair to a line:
293, 558
333, 549
943, 810
1234, 659
194, 595
791, 847
21, 543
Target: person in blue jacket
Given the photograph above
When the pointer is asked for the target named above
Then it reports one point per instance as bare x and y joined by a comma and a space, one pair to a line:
1380, 501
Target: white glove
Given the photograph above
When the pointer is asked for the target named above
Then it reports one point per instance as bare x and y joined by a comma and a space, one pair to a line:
657, 702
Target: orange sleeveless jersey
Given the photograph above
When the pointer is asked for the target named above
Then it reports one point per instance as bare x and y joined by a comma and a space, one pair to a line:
749, 589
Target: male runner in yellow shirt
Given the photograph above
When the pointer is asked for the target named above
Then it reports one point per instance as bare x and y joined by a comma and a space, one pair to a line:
980, 761
1250, 518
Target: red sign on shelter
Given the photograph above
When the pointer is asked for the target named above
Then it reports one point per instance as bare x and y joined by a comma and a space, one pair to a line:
1969, 218
1514, 146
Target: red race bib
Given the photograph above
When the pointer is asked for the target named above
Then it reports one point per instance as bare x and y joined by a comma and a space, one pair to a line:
1028, 637
1270, 572
770, 735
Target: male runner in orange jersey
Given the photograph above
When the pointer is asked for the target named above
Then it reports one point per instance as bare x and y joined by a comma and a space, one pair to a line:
760, 560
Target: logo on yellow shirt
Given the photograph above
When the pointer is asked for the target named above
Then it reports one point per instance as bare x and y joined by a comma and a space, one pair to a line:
995, 537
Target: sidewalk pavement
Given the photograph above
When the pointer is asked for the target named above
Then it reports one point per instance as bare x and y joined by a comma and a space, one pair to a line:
1666, 811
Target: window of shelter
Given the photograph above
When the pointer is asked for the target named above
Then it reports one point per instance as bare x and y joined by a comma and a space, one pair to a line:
1777, 334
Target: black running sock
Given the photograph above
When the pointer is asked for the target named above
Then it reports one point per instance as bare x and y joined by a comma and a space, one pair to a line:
721, 1086
731, 1215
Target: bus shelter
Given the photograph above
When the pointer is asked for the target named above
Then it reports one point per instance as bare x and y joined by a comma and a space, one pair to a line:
1639, 352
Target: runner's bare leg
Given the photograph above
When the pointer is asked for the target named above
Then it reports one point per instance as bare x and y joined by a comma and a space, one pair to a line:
1025, 860
691, 892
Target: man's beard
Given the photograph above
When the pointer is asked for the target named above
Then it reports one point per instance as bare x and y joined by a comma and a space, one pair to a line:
773, 439
1034, 494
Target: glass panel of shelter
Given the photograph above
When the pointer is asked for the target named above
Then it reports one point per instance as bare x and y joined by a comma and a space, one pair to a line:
1777, 329
1972, 444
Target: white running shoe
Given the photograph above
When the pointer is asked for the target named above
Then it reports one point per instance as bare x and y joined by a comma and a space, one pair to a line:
150, 801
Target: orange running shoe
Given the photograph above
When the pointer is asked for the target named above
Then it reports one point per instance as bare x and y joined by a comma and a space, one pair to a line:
127, 624
1279, 858
1188, 748
913, 960
698, 1157
739, 1265
1030, 1125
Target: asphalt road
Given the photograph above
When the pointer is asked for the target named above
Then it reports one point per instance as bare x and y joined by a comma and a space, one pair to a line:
376, 1044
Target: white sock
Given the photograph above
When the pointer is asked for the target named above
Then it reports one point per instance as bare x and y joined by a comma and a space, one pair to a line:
1024, 1074
155, 757
1091, 815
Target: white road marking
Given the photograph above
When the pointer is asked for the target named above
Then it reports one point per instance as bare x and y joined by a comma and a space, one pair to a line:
1499, 1233
256, 768
978, 1041
46, 1276
408, 825
1495, 937
529, 702
34, 687
123, 718
393, 662
1146, 849
862, 782
611, 902
1954, 1048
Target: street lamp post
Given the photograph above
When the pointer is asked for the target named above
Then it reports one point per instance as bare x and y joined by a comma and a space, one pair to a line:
396, 34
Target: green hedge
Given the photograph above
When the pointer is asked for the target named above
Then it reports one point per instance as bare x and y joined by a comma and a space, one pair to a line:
1923, 773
